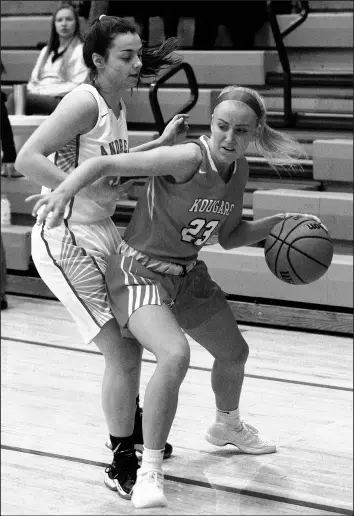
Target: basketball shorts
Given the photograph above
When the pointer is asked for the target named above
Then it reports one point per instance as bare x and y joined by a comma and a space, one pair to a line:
72, 260
193, 298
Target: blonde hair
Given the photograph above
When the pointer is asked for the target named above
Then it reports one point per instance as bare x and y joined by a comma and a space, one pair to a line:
279, 149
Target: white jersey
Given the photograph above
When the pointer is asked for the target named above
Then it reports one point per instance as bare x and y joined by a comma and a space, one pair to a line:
109, 136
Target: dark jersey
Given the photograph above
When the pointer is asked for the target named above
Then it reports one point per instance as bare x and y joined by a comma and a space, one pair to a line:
172, 221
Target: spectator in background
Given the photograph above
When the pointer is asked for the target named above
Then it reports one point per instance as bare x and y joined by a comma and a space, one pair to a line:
59, 67
8, 149
243, 19
141, 11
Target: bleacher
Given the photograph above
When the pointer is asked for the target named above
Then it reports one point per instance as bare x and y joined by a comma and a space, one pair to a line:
320, 53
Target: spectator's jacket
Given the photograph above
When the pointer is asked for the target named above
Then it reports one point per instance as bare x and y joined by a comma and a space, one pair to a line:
61, 76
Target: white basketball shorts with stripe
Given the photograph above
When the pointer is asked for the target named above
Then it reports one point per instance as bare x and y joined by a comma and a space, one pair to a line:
72, 260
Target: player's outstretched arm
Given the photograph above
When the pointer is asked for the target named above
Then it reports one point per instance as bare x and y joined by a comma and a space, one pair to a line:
180, 161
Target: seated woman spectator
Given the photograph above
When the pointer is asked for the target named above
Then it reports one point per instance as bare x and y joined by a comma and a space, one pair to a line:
59, 67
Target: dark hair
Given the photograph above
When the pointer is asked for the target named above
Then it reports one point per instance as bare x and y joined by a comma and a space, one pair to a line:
53, 42
155, 59
101, 34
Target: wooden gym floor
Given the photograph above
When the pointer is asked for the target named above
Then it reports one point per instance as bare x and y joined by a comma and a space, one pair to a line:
297, 391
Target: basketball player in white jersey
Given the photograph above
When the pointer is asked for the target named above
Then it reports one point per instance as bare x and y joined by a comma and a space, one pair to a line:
91, 121
156, 283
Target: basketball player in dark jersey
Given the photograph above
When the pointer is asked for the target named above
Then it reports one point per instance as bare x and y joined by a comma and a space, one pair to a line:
156, 284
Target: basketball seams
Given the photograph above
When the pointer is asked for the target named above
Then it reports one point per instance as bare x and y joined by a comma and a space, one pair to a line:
291, 265
282, 243
319, 237
280, 232
296, 251
307, 255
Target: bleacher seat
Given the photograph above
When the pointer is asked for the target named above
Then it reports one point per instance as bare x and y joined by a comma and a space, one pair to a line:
335, 209
17, 190
17, 245
333, 160
244, 272
15, 7
331, 5
319, 30
18, 65
24, 31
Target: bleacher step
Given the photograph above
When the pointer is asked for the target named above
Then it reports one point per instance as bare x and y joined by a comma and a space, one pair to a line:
335, 209
246, 311
319, 78
319, 30
244, 272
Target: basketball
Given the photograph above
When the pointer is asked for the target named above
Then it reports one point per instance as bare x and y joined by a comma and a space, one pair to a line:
298, 250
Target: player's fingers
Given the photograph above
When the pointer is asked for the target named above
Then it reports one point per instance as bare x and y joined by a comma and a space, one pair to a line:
179, 119
41, 201
183, 116
54, 218
314, 217
183, 124
33, 197
43, 214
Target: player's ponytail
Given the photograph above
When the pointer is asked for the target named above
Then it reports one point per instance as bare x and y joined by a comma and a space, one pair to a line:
156, 58
279, 149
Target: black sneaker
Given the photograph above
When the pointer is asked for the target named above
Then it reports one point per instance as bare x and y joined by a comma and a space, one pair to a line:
138, 436
121, 475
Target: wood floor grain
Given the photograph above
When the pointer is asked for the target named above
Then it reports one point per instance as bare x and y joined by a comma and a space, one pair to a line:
297, 393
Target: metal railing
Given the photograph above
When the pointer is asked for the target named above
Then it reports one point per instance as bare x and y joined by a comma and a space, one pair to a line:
289, 119
278, 35
154, 87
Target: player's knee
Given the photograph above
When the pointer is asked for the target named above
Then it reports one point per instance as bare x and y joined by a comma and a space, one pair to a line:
241, 353
176, 361
238, 355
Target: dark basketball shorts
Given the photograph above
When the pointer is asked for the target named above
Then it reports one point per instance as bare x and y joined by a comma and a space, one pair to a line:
193, 298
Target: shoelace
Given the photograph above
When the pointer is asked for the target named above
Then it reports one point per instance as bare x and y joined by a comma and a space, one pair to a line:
130, 465
154, 477
254, 431
249, 427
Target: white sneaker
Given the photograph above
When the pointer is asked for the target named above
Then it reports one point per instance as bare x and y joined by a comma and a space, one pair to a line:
148, 490
246, 439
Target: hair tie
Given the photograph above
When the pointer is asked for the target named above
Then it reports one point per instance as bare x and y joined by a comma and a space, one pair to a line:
102, 15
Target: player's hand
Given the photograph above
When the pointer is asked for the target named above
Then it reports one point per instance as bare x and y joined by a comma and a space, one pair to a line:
176, 130
108, 189
307, 215
53, 208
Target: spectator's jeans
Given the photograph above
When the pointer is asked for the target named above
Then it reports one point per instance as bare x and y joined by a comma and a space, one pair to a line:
3, 271
35, 104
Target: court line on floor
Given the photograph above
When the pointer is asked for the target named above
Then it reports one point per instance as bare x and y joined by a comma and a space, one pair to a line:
197, 483
194, 368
